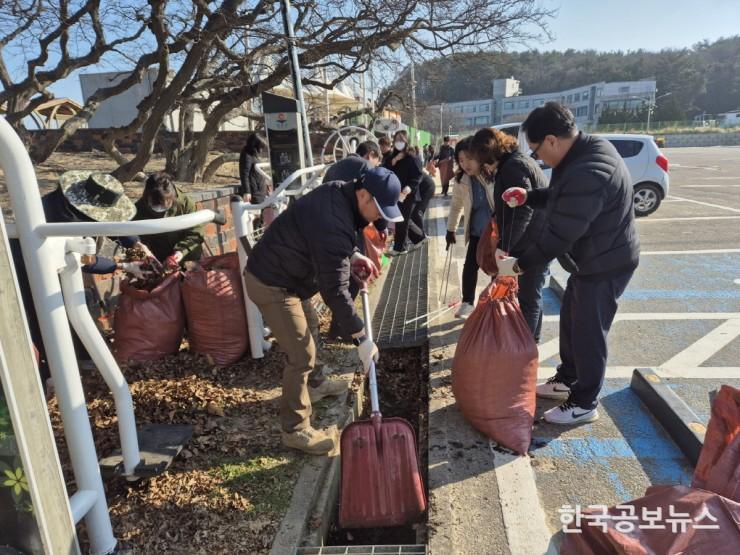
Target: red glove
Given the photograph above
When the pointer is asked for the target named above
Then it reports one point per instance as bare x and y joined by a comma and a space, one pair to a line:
173, 260
362, 268
515, 196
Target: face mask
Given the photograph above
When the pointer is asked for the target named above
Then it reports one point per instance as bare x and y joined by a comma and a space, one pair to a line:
400, 145
159, 209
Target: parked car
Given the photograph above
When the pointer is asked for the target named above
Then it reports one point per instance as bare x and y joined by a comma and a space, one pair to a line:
647, 165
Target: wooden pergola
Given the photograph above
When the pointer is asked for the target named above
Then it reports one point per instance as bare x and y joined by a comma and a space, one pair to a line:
53, 113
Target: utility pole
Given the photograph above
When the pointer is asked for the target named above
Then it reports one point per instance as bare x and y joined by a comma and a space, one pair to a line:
441, 133
297, 85
413, 103
363, 95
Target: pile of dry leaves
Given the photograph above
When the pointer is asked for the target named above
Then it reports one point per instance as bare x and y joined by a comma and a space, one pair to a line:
229, 488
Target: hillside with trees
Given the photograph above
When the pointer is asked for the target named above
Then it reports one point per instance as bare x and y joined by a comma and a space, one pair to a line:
704, 78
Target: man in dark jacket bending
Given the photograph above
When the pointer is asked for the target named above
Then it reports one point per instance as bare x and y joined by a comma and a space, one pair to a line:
590, 228
310, 248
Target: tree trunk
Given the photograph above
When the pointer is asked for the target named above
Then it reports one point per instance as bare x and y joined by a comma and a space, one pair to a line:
215, 164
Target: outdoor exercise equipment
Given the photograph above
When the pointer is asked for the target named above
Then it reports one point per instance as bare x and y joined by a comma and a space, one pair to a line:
343, 142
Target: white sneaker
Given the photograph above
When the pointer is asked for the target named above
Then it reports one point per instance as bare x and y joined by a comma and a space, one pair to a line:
394, 252
570, 413
553, 388
465, 310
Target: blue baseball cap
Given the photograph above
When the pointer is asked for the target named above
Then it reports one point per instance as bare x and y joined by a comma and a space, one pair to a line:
385, 188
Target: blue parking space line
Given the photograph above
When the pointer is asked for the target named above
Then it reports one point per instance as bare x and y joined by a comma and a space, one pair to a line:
642, 440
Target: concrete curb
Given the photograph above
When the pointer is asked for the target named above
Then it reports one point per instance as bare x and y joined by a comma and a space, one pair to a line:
557, 287
681, 423
309, 515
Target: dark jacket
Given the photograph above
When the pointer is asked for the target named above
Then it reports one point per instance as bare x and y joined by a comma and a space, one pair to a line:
58, 210
517, 227
445, 152
187, 241
408, 170
252, 181
307, 249
589, 213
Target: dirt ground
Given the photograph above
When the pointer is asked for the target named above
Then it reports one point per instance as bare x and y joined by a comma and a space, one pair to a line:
229, 488
48, 174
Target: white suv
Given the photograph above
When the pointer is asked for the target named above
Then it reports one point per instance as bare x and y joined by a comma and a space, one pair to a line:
647, 165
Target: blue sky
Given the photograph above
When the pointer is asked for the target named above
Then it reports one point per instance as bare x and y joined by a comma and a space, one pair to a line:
606, 25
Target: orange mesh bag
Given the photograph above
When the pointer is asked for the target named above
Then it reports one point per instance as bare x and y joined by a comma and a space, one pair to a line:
374, 246
494, 372
485, 254
718, 467
214, 307
148, 325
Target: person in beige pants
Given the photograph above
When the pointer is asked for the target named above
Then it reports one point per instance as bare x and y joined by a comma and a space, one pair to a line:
310, 248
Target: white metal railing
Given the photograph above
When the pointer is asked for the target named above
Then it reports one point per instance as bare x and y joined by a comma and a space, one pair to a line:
243, 214
51, 252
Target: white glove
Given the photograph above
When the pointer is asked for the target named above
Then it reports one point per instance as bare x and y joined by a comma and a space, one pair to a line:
507, 266
133, 268
368, 351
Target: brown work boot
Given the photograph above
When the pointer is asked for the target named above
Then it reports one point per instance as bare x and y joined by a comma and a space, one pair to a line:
327, 388
311, 440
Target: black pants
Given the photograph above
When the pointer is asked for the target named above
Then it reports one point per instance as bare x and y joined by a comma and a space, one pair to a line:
470, 271
586, 316
416, 224
531, 283
445, 187
402, 228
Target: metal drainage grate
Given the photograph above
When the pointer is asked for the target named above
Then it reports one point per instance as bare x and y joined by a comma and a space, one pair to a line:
403, 298
362, 550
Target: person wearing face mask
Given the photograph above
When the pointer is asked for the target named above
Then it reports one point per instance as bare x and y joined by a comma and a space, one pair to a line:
499, 156
443, 160
472, 196
163, 199
312, 248
408, 169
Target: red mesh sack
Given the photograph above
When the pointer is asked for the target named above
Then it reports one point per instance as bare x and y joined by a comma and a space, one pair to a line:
718, 467
148, 325
214, 307
374, 246
494, 372
673, 538
485, 254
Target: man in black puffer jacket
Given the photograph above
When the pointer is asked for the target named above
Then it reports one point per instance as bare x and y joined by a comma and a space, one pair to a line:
590, 228
311, 248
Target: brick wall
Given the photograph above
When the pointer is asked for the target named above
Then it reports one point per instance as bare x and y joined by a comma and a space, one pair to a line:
87, 140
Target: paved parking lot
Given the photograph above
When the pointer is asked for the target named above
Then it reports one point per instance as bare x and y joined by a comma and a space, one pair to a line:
680, 315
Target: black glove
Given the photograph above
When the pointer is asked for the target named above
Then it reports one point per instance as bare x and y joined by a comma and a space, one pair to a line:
450, 238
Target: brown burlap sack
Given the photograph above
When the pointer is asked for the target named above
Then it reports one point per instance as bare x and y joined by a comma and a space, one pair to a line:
214, 308
718, 467
148, 325
680, 528
494, 372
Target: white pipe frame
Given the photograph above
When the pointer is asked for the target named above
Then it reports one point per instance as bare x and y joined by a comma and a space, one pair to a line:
49, 253
243, 215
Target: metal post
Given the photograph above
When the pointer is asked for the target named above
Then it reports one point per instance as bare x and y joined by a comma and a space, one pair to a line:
651, 104
441, 132
297, 85
413, 104
43, 258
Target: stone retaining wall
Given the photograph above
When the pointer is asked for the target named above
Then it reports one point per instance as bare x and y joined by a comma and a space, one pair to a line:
700, 139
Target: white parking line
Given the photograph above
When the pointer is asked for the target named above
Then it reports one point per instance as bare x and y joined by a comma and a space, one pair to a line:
706, 347
691, 218
644, 316
549, 349
705, 203
704, 251
524, 519
622, 372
